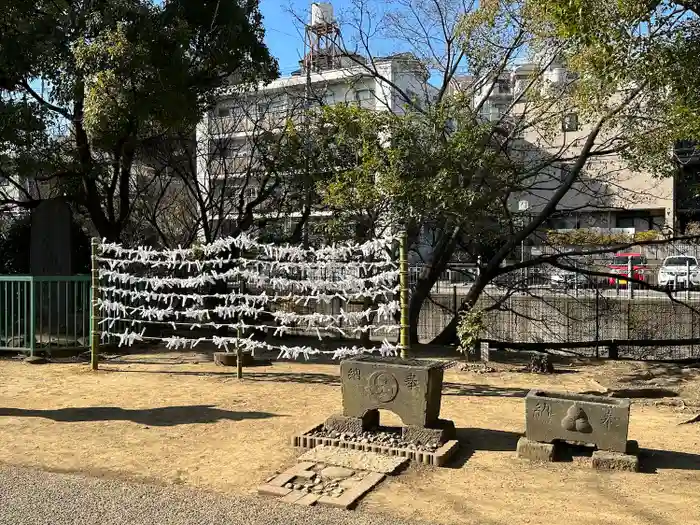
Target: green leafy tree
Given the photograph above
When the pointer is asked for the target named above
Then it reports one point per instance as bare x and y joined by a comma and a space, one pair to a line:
114, 73
467, 166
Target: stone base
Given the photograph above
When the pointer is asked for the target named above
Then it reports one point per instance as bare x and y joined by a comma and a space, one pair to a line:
534, 450
312, 483
604, 460
439, 458
352, 425
443, 432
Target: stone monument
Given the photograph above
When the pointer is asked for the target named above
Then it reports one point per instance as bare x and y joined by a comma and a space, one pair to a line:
552, 418
410, 388
51, 243
50, 255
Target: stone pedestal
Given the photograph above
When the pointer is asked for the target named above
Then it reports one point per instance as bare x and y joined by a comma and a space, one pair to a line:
577, 418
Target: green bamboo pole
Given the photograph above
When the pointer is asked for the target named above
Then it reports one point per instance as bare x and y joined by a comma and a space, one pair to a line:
239, 348
404, 342
32, 314
94, 309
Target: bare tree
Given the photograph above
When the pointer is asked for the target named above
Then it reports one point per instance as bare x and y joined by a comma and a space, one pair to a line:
504, 90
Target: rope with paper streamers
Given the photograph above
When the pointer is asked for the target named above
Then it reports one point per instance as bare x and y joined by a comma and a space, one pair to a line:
142, 287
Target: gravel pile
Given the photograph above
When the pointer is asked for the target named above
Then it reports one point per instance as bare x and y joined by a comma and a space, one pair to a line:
29, 497
383, 437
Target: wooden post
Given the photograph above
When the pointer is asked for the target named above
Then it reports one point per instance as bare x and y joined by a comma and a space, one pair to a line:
94, 309
404, 342
239, 348
239, 356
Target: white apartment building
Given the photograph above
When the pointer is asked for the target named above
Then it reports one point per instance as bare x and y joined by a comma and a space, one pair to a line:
228, 132
608, 195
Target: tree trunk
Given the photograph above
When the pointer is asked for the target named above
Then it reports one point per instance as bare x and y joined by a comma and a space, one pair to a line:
448, 336
441, 257
420, 293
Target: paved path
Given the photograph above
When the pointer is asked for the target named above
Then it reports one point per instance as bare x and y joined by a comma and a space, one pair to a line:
29, 497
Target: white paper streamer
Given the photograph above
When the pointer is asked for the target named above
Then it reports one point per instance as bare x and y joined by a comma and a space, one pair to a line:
249, 345
376, 249
133, 299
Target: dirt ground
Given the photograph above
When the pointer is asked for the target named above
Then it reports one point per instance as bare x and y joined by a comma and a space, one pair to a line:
178, 418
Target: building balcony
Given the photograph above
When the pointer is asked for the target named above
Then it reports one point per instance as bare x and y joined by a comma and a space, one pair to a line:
249, 123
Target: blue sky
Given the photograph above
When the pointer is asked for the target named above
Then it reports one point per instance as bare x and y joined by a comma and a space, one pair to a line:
284, 34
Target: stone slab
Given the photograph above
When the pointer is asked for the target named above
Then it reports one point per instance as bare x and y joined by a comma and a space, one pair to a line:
336, 472
272, 490
308, 500
577, 418
605, 460
50, 239
293, 496
354, 459
350, 497
300, 469
409, 388
534, 450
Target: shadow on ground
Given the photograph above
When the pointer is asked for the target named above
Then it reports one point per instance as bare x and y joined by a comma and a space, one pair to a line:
652, 460
156, 417
457, 389
474, 439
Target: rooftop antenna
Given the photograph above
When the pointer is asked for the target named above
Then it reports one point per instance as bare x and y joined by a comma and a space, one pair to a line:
322, 34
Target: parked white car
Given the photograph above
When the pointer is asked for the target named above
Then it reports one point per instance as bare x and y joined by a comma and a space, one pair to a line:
675, 269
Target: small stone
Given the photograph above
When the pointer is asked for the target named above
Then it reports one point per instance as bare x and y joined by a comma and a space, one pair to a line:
336, 472
288, 486
267, 480
36, 360
296, 486
338, 492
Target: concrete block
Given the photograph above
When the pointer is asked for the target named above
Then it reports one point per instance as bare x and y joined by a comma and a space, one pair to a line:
577, 418
444, 431
353, 425
605, 460
272, 490
534, 450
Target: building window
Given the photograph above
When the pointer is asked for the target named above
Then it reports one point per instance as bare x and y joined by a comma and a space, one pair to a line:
503, 86
570, 122
364, 94
328, 98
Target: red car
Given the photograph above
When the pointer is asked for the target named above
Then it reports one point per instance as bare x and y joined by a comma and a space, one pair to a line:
620, 266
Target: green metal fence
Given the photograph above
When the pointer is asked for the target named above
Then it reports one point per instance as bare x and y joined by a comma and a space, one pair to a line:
44, 313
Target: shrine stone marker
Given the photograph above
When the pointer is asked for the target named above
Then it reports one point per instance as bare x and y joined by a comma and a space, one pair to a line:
411, 389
